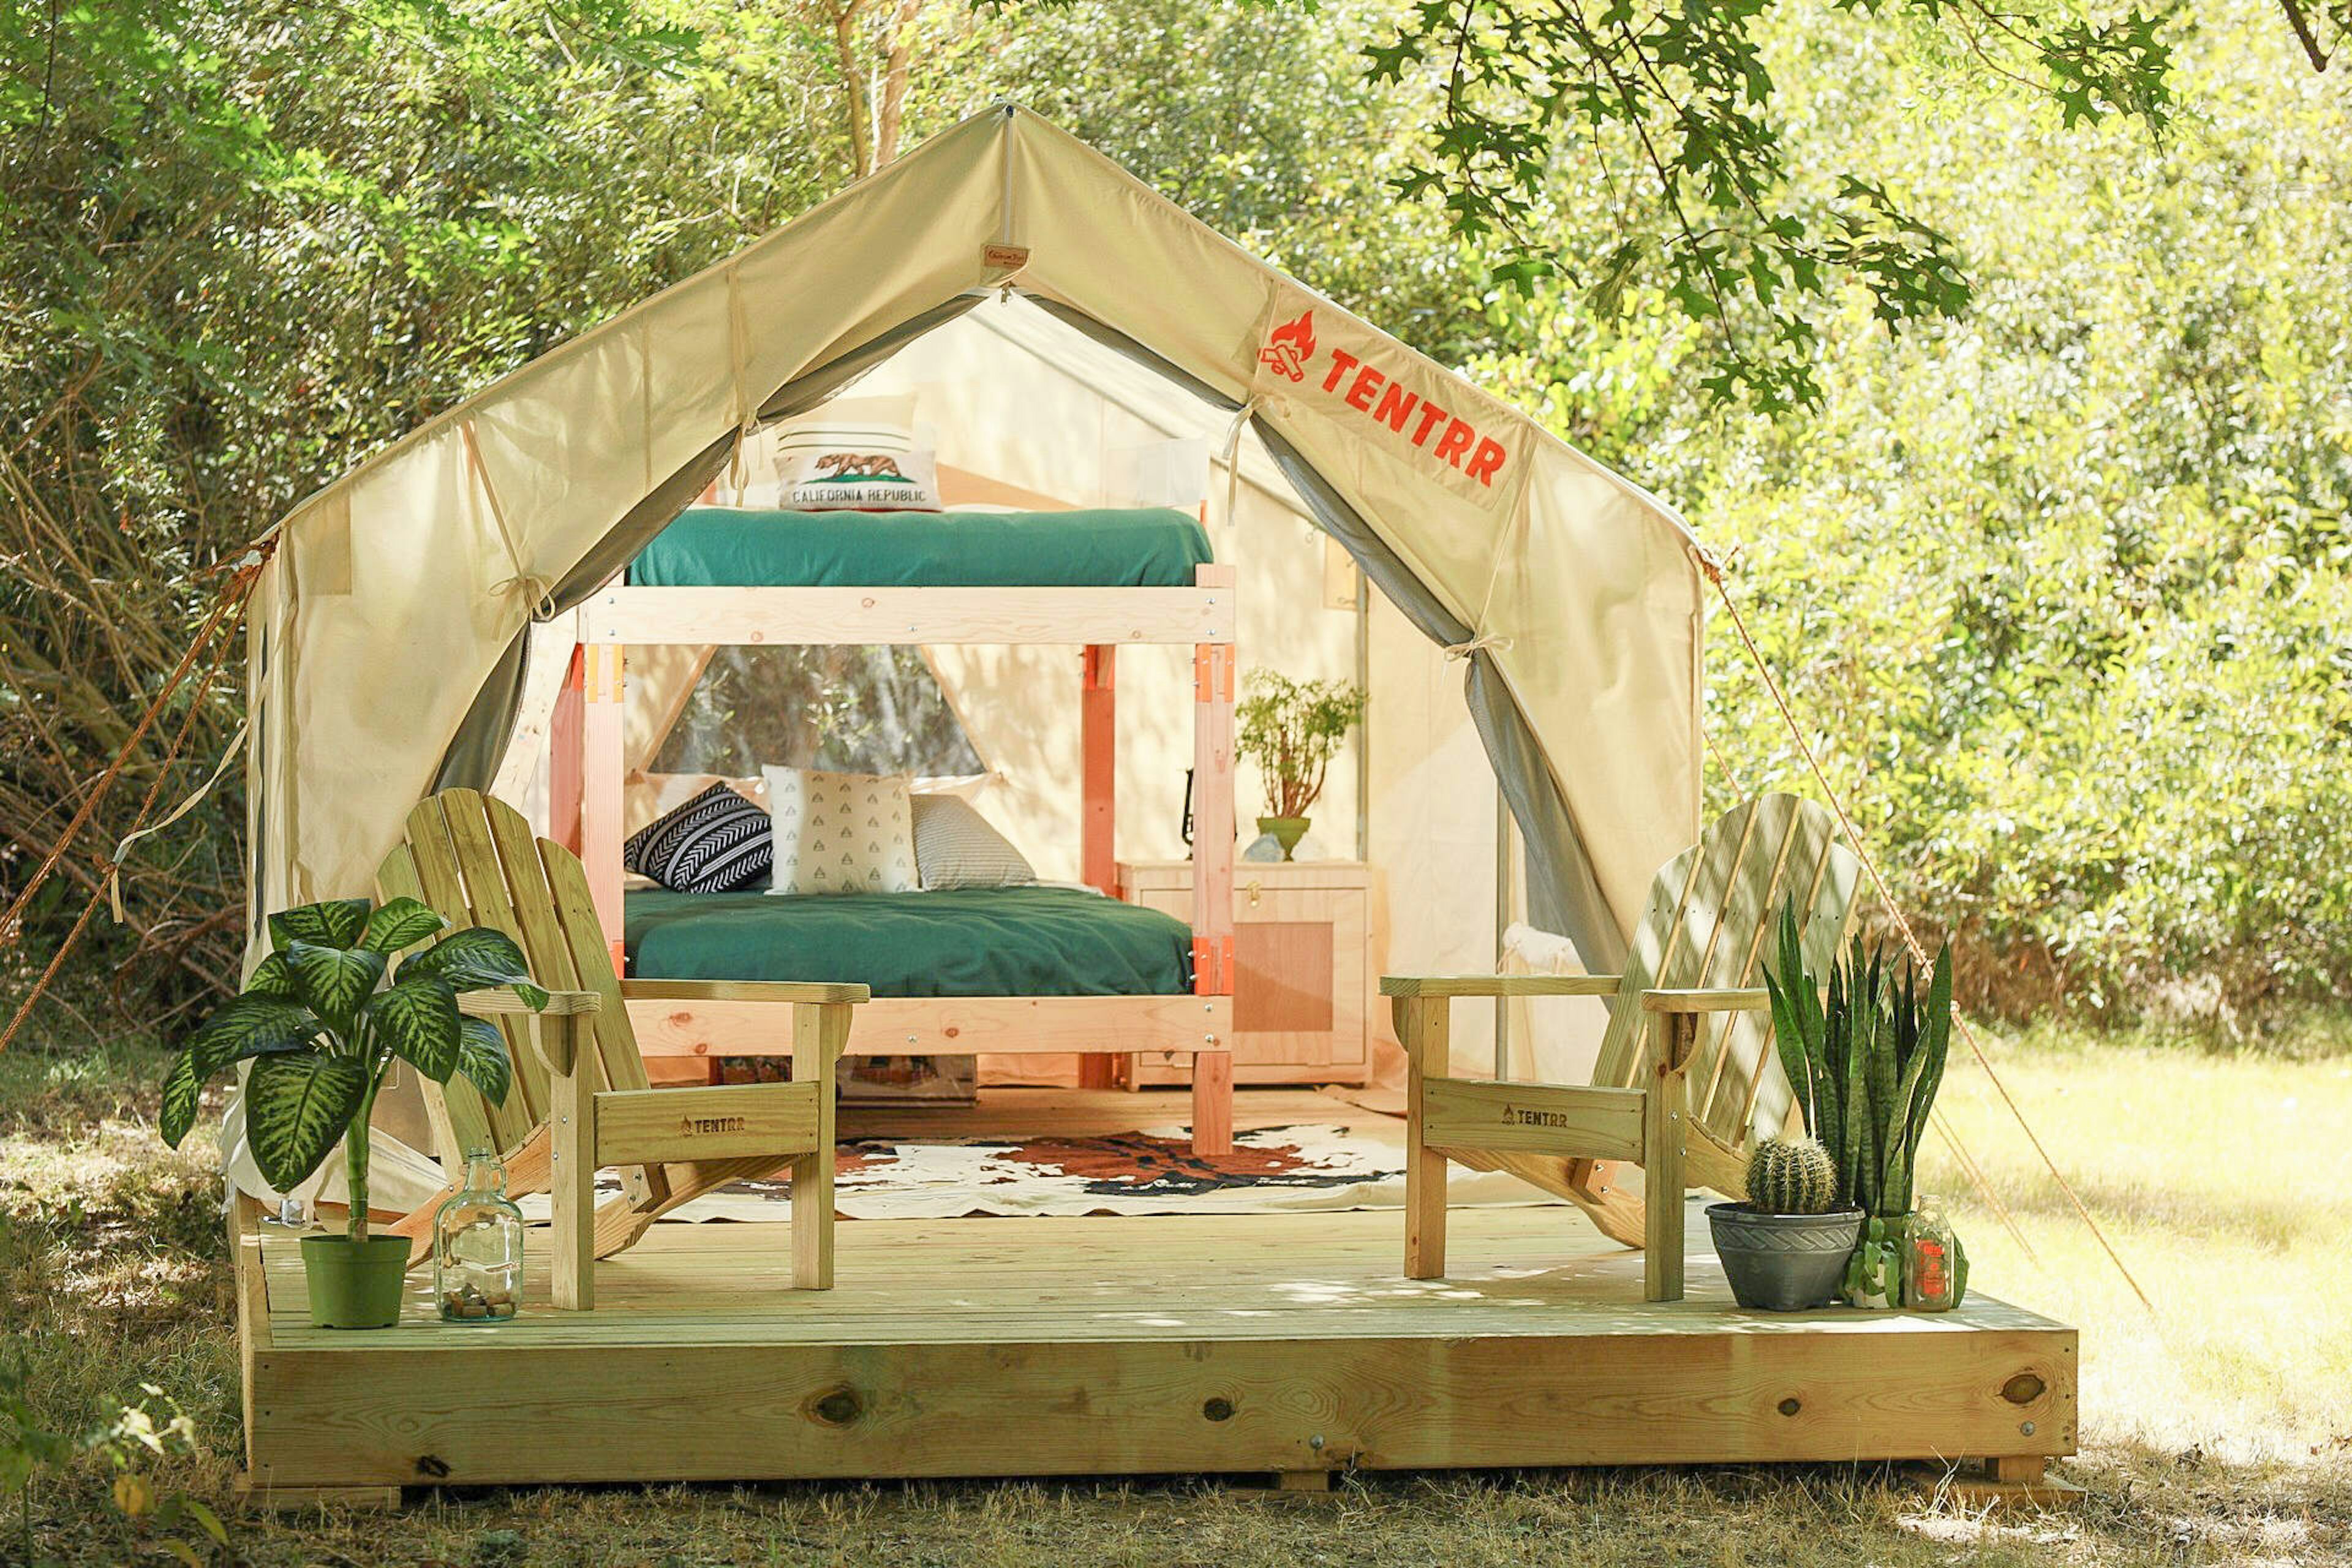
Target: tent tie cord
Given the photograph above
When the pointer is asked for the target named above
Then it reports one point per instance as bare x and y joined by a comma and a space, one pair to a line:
123, 847
1479, 644
1233, 454
1713, 567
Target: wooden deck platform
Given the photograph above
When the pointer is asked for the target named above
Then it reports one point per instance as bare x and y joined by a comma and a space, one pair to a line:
996, 1347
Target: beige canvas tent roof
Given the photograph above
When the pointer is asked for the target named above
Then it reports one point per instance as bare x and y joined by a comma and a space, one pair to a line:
392, 635
387, 638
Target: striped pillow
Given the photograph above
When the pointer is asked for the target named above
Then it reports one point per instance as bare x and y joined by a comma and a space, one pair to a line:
716, 843
955, 848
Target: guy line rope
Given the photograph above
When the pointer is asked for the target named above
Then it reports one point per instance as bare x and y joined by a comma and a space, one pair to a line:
1713, 567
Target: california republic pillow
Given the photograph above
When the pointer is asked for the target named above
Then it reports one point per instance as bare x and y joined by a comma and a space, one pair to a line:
834, 478
841, 833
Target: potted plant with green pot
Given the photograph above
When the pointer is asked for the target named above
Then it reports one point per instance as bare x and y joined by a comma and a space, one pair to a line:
323, 1018
1863, 1052
1292, 730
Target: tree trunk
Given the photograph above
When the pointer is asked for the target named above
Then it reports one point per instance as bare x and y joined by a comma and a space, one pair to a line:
894, 82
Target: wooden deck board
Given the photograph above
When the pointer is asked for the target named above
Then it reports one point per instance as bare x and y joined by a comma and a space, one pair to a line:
1048, 1346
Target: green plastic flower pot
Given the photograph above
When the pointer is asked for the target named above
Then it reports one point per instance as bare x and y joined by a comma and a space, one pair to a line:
1285, 831
355, 1285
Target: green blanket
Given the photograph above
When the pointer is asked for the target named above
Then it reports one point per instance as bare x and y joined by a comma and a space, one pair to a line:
958, 942
1109, 547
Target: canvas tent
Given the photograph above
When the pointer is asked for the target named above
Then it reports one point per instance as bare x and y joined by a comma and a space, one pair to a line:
400, 638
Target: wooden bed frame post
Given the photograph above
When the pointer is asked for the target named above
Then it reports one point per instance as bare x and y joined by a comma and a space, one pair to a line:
564, 755
1213, 676
601, 748
1099, 813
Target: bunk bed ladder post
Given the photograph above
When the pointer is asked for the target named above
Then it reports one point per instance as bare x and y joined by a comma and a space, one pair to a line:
602, 748
564, 754
1212, 871
1099, 817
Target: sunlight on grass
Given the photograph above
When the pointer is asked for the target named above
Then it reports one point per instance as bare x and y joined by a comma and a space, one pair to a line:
2217, 1177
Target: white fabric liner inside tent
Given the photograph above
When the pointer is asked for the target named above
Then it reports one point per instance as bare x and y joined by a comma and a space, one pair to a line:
1054, 318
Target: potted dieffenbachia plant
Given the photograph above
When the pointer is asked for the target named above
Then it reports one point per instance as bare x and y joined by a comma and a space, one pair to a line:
1292, 730
323, 1018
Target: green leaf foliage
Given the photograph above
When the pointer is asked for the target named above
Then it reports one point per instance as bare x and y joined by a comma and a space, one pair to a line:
181, 1090
418, 1019
249, 1025
476, 958
482, 1058
297, 1106
334, 981
337, 922
400, 923
1871, 1060
273, 977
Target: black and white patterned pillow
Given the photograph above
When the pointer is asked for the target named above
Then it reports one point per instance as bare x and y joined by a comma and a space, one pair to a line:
955, 847
716, 843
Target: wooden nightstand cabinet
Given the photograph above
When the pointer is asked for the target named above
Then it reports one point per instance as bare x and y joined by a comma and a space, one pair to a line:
1303, 965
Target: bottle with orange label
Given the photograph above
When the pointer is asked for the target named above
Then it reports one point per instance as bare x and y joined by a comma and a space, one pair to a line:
1936, 1276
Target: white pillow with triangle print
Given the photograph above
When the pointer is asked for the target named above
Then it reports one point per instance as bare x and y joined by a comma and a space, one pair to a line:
841, 833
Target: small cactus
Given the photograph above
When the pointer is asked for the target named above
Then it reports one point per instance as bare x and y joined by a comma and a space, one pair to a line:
1791, 1175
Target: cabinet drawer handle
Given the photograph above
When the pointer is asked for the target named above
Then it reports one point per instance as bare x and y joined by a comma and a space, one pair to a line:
1253, 891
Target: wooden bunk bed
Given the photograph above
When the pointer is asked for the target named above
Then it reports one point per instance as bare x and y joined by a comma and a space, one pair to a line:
817, 608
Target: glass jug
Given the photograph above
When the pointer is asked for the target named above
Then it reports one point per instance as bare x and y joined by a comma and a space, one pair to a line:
1936, 1273
477, 1247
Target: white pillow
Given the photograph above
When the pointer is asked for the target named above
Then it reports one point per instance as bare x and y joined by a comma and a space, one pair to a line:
842, 478
774, 458
841, 833
963, 786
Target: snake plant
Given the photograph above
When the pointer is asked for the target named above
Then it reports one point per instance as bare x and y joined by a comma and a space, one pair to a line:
1864, 1054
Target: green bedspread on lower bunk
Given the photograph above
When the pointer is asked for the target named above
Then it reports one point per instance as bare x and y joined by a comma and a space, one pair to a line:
1120, 547
958, 942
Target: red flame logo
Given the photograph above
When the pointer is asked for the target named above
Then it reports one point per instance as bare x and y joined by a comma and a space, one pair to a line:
1289, 347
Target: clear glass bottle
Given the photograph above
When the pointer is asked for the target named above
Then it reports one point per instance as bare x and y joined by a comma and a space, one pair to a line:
1936, 1271
477, 1247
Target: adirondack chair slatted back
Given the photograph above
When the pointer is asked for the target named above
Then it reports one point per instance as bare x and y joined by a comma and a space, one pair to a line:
474, 859
1713, 921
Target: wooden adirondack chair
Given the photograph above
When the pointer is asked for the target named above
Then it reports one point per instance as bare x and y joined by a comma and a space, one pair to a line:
1686, 1075
580, 1099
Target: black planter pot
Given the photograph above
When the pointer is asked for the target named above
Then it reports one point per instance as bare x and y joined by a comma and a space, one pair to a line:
1783, 1262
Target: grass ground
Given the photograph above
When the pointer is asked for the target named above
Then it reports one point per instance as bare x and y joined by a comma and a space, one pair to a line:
2217, 1426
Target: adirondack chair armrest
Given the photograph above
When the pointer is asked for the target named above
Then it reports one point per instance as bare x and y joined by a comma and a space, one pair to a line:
1677, 1014
1404, 986
823, 993
1739, 999
504, 1003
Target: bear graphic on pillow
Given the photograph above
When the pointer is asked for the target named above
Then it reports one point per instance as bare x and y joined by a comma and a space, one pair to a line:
857, 465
